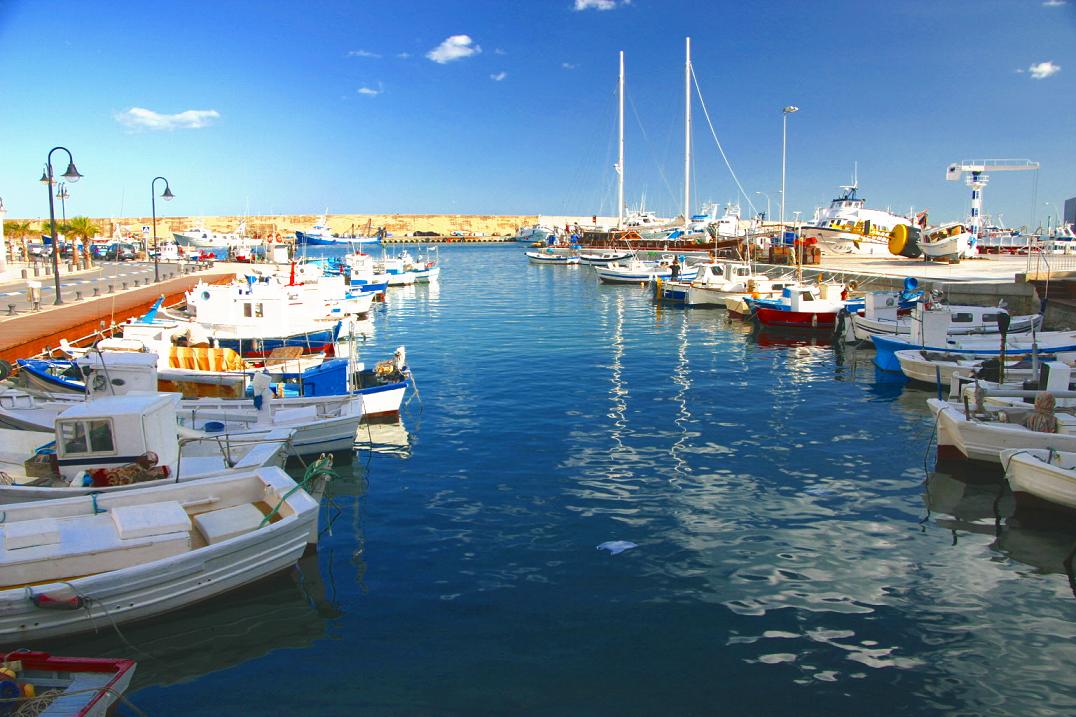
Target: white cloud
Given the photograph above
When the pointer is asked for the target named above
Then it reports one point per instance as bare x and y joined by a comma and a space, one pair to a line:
141, 118
1042, 70
456, 47
498, 76
1054, 3
403, 55
364, 53
499, 51
567, 66
371, 91
599, 4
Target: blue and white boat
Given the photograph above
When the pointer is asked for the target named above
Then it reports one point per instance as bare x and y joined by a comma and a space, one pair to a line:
1056, 344
638, 271
320, 235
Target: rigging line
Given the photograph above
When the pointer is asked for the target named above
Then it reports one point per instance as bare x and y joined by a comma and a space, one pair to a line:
650, 149
706, 114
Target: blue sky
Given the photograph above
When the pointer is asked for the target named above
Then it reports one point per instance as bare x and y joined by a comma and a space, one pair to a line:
292, 107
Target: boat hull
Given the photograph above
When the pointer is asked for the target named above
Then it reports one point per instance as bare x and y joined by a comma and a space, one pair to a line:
812, 321
160, 586
885, 356
1030, 474
984, 441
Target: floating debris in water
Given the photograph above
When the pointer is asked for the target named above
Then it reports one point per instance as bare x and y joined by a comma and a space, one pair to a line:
616, 547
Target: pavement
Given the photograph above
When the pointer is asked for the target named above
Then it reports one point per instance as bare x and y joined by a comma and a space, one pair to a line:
989, 268
105, 278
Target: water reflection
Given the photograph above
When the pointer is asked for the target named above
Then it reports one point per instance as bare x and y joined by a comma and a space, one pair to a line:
291, 610
390, 438
964, 503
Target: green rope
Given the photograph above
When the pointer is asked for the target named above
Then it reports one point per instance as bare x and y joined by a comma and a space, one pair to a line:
321, 468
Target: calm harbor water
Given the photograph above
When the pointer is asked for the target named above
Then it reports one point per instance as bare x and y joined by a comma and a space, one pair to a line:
789, 560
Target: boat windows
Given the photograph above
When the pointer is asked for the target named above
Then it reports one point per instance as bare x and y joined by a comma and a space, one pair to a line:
92, 436
962, 317
990, 318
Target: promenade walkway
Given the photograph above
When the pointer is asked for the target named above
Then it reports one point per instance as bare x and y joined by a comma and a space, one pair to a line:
26, 333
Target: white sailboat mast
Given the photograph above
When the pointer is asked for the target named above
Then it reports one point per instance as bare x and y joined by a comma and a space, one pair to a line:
620, 158
687, 132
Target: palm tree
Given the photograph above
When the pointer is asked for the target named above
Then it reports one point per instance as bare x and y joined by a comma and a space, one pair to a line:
19, 230
81, 228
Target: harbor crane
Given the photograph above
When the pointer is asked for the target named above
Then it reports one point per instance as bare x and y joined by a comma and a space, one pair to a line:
976, 170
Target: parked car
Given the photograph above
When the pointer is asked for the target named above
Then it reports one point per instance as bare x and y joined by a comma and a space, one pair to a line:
119, 251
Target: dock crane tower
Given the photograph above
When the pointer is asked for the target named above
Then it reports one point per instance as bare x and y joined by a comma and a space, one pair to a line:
976, 170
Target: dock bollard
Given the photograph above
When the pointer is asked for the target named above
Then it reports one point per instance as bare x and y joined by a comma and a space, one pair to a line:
125, 285
97, 291
78, 296
25, 273
111, 289
137, 282
11, 309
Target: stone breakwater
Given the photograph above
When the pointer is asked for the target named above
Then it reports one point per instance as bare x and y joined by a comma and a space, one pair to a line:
287, 224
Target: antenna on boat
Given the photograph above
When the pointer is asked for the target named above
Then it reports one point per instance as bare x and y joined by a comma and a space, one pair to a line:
687, 131
620, 156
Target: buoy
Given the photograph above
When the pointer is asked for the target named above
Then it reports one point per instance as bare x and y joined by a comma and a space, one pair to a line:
904, 241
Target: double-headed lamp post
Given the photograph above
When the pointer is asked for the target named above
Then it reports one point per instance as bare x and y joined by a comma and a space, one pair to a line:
62, 194
784, 152
72, 176
167, 196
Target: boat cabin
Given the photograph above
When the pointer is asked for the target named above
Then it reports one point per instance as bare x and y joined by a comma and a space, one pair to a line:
116, 430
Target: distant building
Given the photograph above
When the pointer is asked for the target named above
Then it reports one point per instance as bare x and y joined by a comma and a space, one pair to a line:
1070, 212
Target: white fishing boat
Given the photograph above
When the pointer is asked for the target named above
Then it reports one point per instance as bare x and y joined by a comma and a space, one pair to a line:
953, 241
638, 271
74, 564
1044, 475
717, 281
405, 269
939, 368
848, 227
322, 415
550, 257
883, 316
124, 442
967, 431
602, 257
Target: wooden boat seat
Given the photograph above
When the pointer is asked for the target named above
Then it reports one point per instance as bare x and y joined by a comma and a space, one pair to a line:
205, 359
46, 549
283, 354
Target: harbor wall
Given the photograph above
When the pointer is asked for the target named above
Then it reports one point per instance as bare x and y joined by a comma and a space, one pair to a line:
398, 224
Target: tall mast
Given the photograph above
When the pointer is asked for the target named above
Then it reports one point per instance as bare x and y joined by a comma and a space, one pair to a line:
620, 159
687, 132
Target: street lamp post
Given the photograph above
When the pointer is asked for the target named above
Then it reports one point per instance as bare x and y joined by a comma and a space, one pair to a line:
769, 217
784, 152
72, 176
1049, 223
167, 196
